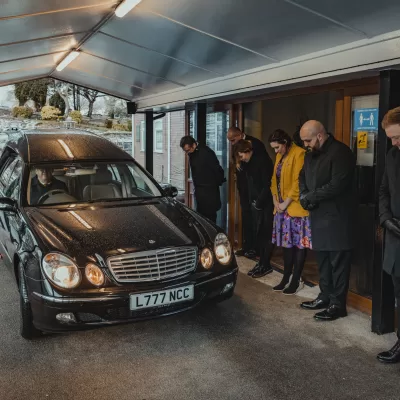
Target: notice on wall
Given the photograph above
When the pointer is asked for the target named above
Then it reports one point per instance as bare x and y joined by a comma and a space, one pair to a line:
365, 129
362, 140
365, 119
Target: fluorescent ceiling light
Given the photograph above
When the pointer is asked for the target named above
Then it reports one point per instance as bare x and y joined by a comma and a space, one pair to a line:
125, 7
67, 60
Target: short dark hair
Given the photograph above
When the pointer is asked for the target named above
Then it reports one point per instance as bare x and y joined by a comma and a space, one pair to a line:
242, 146
190, 140
281, 137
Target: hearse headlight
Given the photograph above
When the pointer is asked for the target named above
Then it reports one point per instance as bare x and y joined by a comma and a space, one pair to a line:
61, 271
206, 258
94, 274
222, 249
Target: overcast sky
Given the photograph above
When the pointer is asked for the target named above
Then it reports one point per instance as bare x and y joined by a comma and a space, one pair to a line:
4, 101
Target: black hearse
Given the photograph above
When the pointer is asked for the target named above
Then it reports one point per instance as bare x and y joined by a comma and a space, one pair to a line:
92, 239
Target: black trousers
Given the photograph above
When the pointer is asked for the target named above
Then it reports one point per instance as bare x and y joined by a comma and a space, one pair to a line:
249, 229
264, 220
396, 284
334, 274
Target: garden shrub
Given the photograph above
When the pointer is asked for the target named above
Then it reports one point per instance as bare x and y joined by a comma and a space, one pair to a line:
22, 112
50, 113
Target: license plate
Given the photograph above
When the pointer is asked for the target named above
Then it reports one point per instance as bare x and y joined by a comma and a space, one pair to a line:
161, 298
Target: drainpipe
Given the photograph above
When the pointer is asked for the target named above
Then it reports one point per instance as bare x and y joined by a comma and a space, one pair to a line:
169, 146
133, 135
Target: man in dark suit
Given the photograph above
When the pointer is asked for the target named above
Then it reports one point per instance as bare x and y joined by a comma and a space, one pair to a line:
327, 190
389, 215
207, 175
249, 226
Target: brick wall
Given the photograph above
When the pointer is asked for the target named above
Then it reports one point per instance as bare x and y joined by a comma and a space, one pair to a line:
177, 157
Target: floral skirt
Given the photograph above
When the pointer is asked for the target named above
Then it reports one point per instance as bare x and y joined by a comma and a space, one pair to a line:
291, 231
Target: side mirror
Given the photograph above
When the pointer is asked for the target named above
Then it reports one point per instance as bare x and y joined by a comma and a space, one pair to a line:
8, 205
171, 191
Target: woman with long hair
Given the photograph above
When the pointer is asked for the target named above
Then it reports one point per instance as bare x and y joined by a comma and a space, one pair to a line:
291, 227
258, 168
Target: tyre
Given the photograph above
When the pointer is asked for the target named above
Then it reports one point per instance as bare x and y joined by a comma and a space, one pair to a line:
27, 329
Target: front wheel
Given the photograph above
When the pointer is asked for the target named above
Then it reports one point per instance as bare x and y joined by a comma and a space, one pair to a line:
27, 329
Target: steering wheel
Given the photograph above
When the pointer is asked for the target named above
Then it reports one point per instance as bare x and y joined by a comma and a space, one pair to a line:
51, 193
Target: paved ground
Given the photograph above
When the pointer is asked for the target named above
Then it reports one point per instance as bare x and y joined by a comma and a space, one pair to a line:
258, 345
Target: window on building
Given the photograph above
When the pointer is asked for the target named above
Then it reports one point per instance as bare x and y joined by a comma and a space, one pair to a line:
127, 146
142, 136
138, 132
158, 136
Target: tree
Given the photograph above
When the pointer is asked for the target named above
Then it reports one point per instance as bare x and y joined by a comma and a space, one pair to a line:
57, 101
38, 92
21, 91
32, 90
120, 109
63, 90
76, 96
110, 103
91, 96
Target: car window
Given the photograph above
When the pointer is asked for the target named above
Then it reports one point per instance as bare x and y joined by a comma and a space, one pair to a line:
141, 185
13, 186
7, 177
88, 182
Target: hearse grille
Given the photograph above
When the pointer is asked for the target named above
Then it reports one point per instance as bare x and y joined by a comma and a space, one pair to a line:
154, 265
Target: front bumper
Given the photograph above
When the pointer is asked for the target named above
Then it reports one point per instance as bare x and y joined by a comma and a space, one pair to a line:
114, 309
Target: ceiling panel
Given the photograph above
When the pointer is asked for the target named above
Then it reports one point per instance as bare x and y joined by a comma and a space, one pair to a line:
271, 27
21, 7
145, 60
40, 47
22, 75
103, 68
36, 62
164, 36
370, 16
93, 82
41, 26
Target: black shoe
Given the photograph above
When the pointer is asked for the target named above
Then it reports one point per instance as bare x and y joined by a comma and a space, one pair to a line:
251, 272
262, 271
391, 356
330, 314
316, 304
282, 285
250, 254
240, 253
294, 287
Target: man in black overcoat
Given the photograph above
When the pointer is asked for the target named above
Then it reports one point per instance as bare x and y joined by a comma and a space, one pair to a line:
327, 190
249, 225
389, 215
207, 175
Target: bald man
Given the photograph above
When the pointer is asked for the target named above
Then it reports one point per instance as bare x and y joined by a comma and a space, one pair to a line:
327, 192
249, 226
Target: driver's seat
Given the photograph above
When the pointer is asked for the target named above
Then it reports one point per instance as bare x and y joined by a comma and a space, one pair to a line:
101, 187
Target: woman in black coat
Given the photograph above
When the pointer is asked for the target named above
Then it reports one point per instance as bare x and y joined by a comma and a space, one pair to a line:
259, 171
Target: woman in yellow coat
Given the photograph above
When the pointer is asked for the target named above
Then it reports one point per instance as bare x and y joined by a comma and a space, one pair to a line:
291, 228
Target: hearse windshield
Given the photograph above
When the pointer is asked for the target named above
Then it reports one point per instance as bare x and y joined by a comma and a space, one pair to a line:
88, 182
